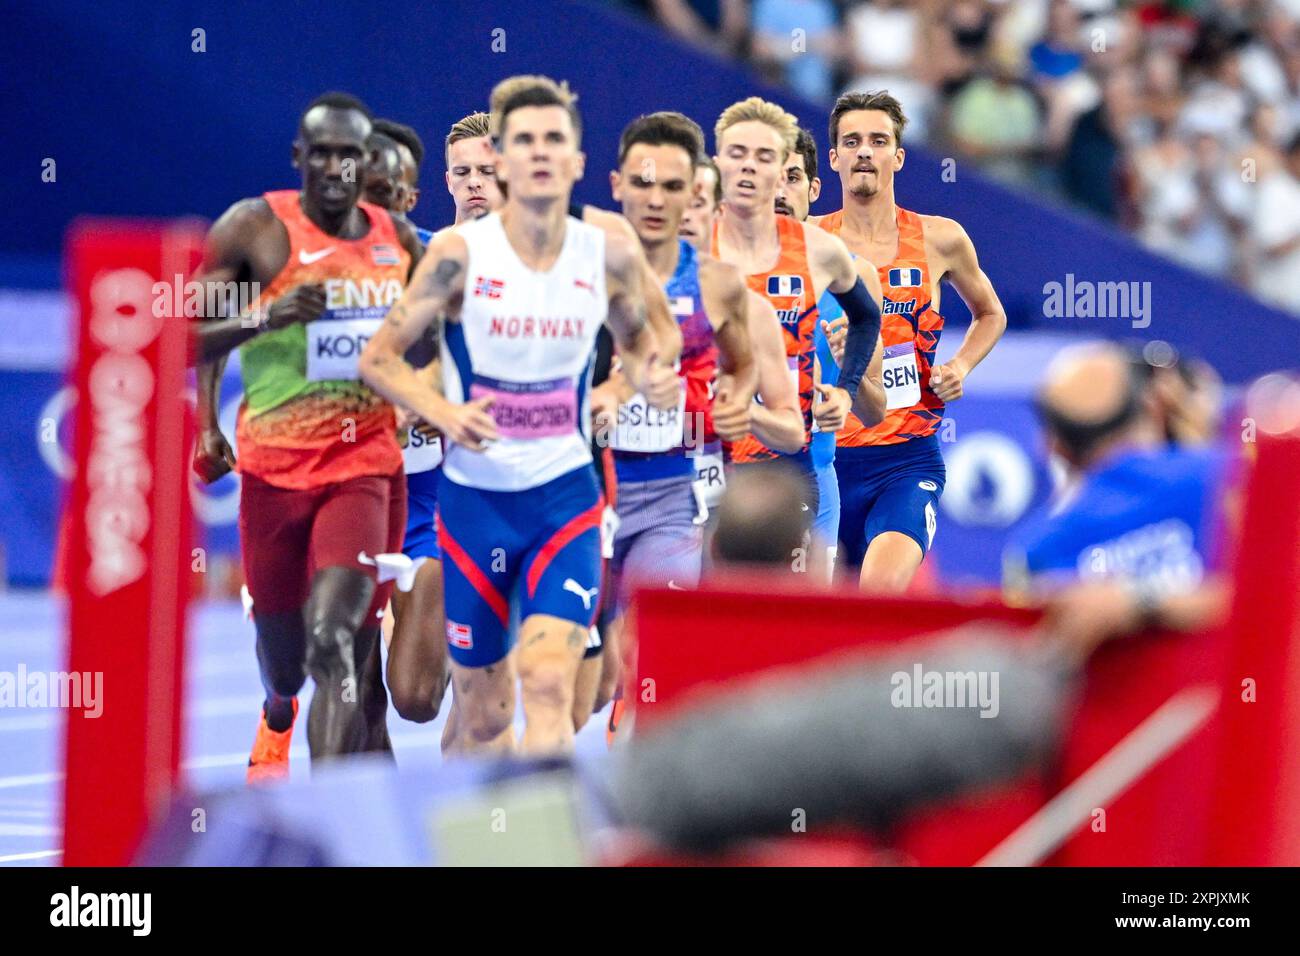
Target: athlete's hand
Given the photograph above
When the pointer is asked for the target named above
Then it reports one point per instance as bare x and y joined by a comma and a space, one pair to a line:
837, 333
660, 384
470, 424
213, 456
730, 409
303, 303
946, 380
833, 410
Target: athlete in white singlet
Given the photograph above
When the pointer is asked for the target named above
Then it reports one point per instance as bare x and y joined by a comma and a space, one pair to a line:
523, 292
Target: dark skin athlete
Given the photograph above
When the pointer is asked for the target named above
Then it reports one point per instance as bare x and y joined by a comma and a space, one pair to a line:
329, 637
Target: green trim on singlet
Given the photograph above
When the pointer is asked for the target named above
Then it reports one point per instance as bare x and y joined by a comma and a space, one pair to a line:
273, 366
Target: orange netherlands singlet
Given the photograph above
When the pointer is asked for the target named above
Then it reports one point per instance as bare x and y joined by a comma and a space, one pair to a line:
909, 330
788, 285
306, 419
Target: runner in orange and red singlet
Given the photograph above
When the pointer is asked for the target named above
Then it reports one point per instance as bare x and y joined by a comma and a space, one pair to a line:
791, 265
891, 473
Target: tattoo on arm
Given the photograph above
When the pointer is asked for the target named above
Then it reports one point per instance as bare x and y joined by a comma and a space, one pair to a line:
439, 281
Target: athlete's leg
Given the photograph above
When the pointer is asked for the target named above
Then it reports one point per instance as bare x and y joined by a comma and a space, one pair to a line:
892, 559
335, 614
479, 540
417, 658
352, 520
374, 696
826, 529
275, 529
559, 601
900, 529
590, 670
550, 651
611, 664
485, 709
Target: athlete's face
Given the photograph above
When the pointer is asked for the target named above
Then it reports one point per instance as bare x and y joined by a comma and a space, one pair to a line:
797, 192
472, 177
751, 156
865, 153
654, 186
331, 153
410, 182
697, 221
538, 155
383, 185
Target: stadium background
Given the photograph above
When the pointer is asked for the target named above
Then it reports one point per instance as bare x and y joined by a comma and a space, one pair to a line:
140, 124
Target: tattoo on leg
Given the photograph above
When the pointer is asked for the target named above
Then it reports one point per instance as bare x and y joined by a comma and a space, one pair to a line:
575, 636
534, 639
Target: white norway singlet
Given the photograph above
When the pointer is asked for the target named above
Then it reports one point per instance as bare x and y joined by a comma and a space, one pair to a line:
526, 339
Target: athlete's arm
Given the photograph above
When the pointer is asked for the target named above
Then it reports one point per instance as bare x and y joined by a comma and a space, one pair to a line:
856, 287
988, 318
777, 422
667, 332
224, 261
638, 347
726, 302
227, 259
436, 290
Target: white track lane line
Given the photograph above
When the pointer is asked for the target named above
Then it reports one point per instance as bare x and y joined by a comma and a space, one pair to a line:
37, 855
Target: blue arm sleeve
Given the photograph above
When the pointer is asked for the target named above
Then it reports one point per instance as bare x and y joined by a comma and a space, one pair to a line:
864, 329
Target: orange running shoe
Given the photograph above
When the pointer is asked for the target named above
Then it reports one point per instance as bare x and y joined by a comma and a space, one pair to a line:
270, 757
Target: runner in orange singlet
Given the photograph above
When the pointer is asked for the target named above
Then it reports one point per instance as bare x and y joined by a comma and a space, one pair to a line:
791, 265
891, 473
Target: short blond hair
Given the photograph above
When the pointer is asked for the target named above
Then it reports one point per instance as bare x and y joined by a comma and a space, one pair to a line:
515, 92
763, 111
467, 127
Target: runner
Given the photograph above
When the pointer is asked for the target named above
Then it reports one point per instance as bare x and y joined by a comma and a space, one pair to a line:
792, 266
799, 189
523, 292
417, 670
661, 512
776, 419
891, 473
321, 469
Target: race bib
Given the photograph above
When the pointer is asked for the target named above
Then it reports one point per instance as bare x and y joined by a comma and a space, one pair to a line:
710, 478
421, 454
900, 376
530, 409
334, 345
643, 428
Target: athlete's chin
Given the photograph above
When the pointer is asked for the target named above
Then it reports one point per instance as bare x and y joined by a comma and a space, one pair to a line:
864, 190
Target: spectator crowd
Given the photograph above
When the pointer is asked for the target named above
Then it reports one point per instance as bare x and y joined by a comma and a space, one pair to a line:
1177, 120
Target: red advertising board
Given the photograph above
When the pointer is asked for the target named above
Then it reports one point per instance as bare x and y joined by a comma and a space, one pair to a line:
128, 559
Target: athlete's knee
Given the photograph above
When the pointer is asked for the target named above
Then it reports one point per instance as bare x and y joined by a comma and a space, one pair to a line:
485, 717
416, 697
340, 598
547, 681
